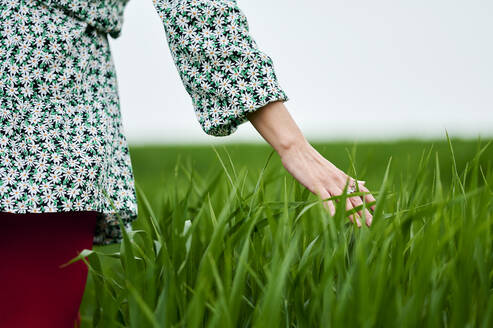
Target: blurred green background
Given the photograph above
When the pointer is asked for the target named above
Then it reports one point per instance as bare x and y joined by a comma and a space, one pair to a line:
154, 166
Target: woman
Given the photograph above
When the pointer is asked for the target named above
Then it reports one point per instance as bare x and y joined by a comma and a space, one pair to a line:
65, 169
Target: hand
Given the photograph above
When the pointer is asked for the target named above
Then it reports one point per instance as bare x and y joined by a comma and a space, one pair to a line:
323, 178
302, 161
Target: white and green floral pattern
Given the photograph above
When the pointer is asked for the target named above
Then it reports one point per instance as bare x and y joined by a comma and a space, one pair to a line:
62, 146
220, 64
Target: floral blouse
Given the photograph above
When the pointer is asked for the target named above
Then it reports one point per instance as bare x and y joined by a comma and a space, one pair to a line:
62, 146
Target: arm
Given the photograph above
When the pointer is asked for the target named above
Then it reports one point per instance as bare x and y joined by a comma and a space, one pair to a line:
301, 160
223, 70
231, 81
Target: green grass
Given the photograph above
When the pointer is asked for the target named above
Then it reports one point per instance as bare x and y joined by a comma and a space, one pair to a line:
229, 239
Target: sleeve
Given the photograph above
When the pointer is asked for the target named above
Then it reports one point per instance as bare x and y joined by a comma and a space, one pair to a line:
219, 63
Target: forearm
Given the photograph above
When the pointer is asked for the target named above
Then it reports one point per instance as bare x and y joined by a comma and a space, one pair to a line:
277, 127
303, 162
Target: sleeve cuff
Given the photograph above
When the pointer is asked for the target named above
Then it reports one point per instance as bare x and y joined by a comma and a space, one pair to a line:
221, 117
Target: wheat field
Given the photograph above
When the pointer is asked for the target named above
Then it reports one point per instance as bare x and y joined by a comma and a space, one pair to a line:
227, 238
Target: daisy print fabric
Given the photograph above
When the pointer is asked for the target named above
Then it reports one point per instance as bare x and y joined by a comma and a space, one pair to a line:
219, 62
62, 144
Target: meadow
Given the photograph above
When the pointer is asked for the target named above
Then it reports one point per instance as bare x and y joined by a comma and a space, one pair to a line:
227, 238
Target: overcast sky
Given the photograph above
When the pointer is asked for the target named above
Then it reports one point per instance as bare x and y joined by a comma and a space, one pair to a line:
353, 69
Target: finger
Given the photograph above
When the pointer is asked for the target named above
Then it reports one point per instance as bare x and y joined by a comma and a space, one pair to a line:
355, 183
349, 206
350, 181
332, 207
360, 187
356, 201
329, 205
324, 194
368, 197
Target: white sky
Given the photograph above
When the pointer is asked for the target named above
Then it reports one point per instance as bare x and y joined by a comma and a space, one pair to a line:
352, 69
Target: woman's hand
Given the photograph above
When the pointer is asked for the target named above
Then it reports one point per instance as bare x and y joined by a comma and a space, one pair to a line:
304, 162
323, 178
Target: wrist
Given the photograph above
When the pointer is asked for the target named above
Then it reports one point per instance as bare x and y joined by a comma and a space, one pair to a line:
289, 145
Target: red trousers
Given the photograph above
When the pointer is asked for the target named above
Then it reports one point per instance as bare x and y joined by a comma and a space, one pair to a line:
34, 290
